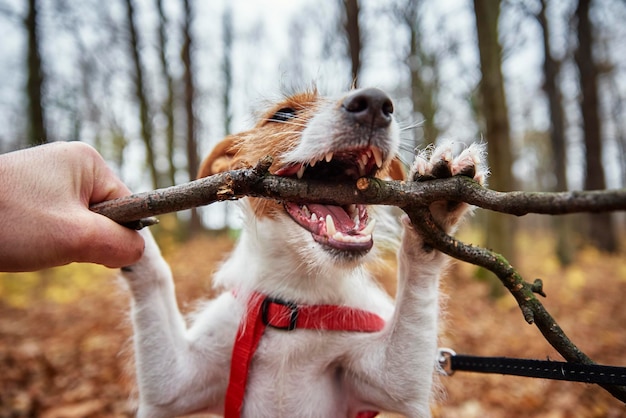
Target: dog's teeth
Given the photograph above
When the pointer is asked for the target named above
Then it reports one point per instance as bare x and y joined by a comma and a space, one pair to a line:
301, 171
330, 226
353, 213
306, 211
338, 236
364, 159
329, 156
362, 163
368, 152
378, 156
313, 217
361, 169
313, 162
369, 228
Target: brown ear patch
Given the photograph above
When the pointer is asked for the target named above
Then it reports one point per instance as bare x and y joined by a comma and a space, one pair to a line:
221, 158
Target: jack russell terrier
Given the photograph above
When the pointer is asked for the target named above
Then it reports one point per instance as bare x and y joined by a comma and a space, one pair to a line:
302, 329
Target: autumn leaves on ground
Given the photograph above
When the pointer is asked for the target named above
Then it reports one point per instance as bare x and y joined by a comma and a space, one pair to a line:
64, 334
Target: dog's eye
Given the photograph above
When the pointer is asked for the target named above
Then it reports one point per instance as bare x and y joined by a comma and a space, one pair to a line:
283, 115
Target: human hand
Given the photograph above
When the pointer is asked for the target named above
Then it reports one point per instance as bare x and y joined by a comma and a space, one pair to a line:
45, 221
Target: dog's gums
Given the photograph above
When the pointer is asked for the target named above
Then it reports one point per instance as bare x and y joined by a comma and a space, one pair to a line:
343, 228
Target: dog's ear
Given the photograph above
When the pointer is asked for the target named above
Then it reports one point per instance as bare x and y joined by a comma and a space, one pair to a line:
221, 158
395, 171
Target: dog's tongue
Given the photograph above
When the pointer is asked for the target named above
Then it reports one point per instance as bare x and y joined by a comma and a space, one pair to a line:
342, 220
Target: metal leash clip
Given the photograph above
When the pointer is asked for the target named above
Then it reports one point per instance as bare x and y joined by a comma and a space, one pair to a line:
444, 358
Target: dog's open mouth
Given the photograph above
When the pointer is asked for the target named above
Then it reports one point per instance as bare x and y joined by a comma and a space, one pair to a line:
344, 228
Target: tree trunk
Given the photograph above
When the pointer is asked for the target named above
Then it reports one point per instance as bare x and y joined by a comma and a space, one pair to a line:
36, 120
353, 33
423, 90
168, 105
227, 77
140, 92
601, 231
562, 227
227, 70
192, 148
500, 231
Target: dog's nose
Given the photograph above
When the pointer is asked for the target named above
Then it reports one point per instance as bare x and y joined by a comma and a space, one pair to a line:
371, 107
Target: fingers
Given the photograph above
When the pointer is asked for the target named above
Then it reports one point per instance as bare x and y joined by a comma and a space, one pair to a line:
103, 241
97, 238
115, 246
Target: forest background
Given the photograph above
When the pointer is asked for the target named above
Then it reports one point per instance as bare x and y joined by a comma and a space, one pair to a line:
154, 84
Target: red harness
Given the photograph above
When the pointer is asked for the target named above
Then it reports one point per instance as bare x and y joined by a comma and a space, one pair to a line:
264, 311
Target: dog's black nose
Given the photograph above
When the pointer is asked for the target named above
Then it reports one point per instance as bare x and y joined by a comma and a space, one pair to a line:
371, 107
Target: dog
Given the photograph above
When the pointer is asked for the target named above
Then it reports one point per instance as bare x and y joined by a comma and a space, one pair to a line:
301, 328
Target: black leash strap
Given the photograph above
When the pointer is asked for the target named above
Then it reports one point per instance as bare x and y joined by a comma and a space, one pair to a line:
543, 369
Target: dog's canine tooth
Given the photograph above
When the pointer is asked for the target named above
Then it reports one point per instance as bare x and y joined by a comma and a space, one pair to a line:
329, 156
330, 226
378, 156
301, 171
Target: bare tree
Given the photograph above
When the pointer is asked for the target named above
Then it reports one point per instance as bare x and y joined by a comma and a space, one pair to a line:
168, 104
227, 77
496, 120
140, 92
422, 66
227, 67
190, 90
601, 230
551, 68
353, 34
36, 119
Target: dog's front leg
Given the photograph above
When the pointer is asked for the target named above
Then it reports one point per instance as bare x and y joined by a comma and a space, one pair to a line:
397, 366
405, 353
174, 376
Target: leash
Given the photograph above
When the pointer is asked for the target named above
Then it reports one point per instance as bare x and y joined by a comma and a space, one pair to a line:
451, 362
264, 311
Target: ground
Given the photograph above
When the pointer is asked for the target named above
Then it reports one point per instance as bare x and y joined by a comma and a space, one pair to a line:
64, 334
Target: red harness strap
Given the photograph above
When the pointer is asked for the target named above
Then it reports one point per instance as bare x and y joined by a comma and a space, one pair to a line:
264, 311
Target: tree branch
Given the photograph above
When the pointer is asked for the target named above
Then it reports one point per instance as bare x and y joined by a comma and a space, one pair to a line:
524, 293
413, 198
257, 182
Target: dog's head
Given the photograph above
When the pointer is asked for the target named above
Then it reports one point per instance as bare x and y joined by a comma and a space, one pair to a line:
313, 137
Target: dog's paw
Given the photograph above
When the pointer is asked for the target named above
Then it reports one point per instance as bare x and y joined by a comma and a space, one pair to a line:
440, 162
150, 271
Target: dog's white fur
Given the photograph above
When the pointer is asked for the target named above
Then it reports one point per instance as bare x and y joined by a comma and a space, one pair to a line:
302, 373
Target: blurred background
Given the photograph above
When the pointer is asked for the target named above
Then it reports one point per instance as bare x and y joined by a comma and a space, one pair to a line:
154, 84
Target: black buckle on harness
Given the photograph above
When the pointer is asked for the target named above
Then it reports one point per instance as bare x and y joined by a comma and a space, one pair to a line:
293, 316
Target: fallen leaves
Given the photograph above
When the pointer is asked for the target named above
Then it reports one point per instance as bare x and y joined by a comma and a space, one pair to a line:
64, 338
